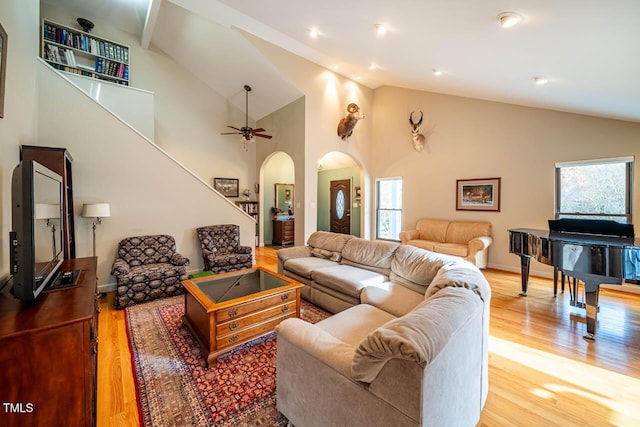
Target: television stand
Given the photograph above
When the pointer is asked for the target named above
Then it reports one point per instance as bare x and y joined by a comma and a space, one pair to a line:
48, 354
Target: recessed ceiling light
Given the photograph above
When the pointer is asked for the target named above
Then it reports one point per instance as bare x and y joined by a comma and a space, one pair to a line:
313, 33
381, 29
541, 80
509, 19
437, 72
373, 67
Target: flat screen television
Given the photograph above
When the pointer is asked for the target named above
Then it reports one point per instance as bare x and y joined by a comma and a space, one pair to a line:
36, 236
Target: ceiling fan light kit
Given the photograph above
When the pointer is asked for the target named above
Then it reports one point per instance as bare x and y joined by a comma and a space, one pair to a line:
248, 134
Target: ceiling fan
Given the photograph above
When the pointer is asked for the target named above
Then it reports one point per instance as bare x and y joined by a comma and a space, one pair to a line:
247, 133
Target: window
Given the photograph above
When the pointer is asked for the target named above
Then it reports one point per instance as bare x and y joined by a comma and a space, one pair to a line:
388, 208
597, 189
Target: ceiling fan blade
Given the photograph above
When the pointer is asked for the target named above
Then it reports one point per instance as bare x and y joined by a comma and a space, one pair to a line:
261, 135
231, 133
259, 130
233, 127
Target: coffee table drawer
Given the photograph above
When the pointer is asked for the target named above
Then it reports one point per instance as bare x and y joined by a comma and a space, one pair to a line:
243, 309
238, 324
247, 334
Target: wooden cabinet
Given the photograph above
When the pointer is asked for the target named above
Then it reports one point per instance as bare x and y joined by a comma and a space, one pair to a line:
58, 160
48, 354
284, 231
75, 51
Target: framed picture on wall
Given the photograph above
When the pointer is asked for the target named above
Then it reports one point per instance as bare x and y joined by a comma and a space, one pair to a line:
227, 186
3, 66
481, 194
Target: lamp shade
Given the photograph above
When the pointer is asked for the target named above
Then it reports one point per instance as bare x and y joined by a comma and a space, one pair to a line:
47, 211
96, 210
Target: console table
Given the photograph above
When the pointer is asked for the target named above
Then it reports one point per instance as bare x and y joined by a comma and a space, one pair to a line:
48, 353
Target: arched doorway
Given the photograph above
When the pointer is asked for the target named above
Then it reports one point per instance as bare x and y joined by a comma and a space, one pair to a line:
278, 168
340, 189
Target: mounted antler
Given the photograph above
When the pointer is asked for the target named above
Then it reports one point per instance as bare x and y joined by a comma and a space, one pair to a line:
418, 139
348, 122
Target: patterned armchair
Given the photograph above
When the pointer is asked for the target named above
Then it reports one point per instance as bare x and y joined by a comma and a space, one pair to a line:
221, 249
148, 268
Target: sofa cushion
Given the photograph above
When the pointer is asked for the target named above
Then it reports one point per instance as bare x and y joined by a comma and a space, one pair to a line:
432, 229
462, 232
418, 336
416, 268
304, 266
461, 250
347, 279
353, 325
394, 298
375, 255
326, 240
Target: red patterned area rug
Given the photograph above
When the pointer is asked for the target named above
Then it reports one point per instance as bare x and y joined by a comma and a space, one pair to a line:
176, 389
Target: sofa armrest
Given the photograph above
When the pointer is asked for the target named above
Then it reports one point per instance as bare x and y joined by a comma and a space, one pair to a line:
407, 235
479, 243
293, 252
120, 267
317, 343
178, 259
243, 249
478, 253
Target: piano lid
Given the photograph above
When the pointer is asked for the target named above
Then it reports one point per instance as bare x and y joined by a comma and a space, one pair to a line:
593, 227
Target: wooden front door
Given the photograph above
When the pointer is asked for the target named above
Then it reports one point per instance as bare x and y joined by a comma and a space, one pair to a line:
340, 209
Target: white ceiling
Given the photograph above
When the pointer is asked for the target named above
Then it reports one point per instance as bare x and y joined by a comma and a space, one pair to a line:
585, 48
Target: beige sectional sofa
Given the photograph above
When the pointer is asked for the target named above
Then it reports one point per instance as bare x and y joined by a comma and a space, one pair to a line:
469, 240
407, 347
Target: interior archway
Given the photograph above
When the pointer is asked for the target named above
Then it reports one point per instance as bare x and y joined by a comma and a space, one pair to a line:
333, 167
278, 168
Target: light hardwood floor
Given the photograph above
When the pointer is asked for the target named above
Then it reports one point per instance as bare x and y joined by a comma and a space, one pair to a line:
541, 371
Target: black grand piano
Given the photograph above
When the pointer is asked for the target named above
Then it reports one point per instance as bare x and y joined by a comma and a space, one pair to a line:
592, 251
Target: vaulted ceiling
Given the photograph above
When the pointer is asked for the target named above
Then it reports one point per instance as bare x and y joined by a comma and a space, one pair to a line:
586, 50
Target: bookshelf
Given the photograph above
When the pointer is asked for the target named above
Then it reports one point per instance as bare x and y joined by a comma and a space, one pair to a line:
75, 51
250, 208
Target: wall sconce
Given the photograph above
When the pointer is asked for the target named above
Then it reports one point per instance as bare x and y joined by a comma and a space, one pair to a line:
97, 211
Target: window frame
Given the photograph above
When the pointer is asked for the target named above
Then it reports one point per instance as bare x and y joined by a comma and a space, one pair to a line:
629, 164
379, 209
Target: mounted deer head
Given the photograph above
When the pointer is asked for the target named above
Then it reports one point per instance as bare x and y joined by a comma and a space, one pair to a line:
348, 122
418, 139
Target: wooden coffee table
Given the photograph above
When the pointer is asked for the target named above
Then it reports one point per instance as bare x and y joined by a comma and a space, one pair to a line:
226, 310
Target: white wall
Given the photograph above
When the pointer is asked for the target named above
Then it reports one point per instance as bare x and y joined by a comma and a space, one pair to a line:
135, 106
189, 115
19, 125
469, 138
326, 98
287, 125
149, 192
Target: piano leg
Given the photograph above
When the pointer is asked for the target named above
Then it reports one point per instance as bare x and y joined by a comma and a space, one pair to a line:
525, 262
591, 306
555, 281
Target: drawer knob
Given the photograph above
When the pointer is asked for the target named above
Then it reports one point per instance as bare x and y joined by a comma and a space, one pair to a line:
233, 312
233, 326
285, 308
233, 338
284, 297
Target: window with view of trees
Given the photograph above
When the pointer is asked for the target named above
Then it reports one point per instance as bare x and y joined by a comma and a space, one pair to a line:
599, 189
388, 208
